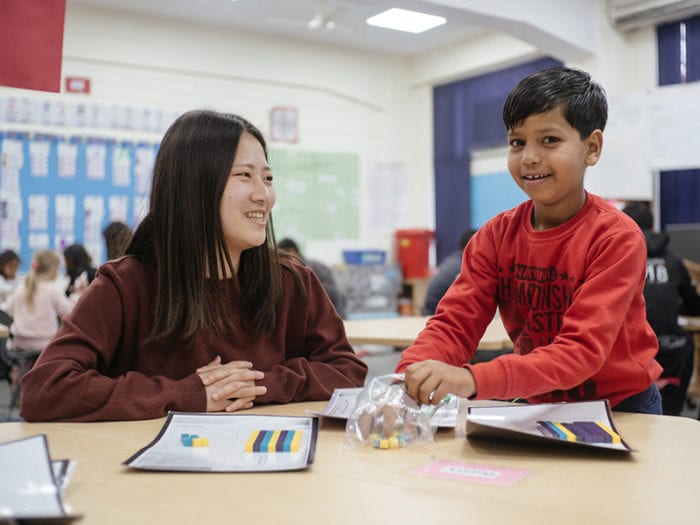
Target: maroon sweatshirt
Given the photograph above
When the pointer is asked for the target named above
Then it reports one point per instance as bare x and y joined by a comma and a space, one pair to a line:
98, 366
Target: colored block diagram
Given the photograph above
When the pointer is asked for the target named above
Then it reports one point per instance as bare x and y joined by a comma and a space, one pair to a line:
269, 441
199, 442
193, 440
579, 431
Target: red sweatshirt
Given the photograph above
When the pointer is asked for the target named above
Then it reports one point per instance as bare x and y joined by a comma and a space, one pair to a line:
569, 297
99, 368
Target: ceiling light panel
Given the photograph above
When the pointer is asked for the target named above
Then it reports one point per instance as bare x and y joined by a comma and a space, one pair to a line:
405, 20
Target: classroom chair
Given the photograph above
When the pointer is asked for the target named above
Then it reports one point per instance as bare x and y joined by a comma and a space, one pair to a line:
19, 362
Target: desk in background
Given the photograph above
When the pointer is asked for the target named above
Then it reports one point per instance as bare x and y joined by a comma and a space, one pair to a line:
655, 485
402, 331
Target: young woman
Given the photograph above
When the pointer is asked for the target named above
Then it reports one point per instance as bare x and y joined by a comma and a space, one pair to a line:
203, 314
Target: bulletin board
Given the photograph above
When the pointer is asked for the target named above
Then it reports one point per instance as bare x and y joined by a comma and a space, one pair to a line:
58, 190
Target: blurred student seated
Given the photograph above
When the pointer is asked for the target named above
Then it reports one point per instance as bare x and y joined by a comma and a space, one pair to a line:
36, 307
447, 271
79, 268
324, 274
668, 292
117, 236
9, 264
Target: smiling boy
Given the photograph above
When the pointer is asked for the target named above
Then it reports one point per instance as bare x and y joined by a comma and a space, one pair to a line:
565, 269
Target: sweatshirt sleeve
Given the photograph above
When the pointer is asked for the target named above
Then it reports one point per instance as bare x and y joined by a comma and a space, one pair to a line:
452, 335
83, 374
318, 356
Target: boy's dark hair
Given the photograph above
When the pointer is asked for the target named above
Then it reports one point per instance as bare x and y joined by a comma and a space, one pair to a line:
582, 101
641, 214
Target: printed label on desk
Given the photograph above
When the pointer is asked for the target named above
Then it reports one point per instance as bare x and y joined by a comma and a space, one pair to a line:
472, 472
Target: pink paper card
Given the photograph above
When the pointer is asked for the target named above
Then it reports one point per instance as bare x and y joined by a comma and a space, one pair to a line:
472, 472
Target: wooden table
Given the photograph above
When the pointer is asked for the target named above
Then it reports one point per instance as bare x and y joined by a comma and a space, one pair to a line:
655, 485
402, 331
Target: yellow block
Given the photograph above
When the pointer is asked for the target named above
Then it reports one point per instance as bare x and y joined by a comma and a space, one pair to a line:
251, 441
296, 441
615, 436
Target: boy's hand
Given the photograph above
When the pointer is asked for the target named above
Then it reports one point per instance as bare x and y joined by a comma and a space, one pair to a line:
429, 381
230, 386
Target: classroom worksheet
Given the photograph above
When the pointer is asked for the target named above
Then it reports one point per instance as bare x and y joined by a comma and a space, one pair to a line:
199, 442
341, 403
28, 487
585, 423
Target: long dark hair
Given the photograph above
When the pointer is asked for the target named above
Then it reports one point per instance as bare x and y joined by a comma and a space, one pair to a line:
77, 260
182, 235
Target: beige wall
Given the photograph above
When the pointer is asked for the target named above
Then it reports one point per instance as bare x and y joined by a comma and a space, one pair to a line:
379, 107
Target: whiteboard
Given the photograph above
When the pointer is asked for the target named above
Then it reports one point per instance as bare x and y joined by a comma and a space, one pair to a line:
647, 131
675, 127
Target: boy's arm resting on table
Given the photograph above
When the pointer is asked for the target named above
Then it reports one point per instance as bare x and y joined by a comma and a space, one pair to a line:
322, 361
69, 382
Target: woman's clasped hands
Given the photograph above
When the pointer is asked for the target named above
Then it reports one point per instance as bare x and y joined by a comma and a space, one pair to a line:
230, 386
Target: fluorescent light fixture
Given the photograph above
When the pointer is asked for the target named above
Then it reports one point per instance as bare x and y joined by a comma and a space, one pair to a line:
405, 20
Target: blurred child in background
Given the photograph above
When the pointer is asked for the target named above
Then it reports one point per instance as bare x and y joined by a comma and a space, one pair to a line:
9, 264
37, 305
117, 236
79, 268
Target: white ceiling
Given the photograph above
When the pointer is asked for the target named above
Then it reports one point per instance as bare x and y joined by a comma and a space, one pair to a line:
289, 18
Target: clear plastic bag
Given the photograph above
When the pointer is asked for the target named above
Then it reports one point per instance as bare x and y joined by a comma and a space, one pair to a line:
386, 417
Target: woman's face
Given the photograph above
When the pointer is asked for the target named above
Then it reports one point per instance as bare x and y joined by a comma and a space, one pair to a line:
248, 198
10, 269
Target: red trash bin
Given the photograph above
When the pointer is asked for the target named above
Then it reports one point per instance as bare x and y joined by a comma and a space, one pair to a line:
413, 252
